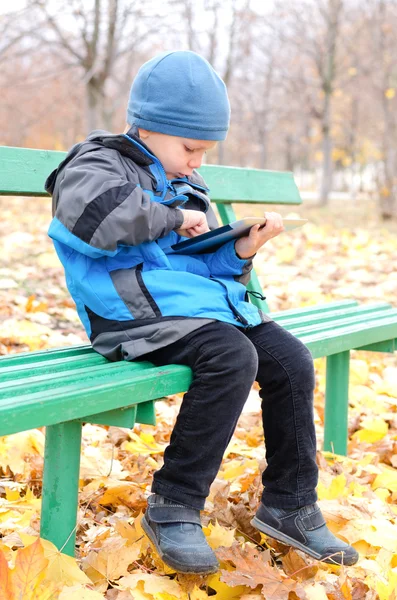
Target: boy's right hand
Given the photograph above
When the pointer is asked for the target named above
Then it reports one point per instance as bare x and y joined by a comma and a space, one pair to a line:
194, 223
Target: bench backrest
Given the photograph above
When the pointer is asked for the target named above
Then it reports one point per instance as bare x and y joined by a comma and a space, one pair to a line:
23, 172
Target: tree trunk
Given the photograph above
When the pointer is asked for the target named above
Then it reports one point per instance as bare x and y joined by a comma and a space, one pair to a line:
326, 179
332, 18
387, 196
95, 108
388, 188
221, 153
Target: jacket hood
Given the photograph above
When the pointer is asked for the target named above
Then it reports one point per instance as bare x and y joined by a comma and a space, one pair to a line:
103, 139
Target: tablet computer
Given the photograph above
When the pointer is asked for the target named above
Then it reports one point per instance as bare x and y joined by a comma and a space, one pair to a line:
212, 240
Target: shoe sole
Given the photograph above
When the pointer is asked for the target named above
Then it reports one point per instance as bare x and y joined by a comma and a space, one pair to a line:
170, 562
285, 539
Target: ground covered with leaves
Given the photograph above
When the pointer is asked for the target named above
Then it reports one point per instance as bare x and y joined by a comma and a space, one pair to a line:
344, 252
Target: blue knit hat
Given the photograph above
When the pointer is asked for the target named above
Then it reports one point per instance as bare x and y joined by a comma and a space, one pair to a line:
179, 93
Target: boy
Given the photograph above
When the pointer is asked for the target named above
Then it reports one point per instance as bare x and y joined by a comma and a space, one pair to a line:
118, 201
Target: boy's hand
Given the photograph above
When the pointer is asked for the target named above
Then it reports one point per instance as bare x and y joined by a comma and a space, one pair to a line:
248, 246
194, 223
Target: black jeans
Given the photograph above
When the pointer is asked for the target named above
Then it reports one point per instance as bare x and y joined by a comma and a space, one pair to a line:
225, 361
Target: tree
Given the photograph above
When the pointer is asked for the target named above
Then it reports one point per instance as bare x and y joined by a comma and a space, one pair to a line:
384, 79
94, 38
309, 33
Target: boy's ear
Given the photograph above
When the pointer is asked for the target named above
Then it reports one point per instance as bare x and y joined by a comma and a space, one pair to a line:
143, 133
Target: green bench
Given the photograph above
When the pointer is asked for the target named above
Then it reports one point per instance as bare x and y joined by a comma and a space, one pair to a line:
63, 388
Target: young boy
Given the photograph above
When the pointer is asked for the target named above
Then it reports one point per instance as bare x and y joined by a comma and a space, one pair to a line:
118, 201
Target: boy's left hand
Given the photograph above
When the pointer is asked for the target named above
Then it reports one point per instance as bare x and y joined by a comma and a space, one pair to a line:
249, 245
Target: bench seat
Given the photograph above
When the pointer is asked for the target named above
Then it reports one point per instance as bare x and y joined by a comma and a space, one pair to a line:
46, 387
63, 388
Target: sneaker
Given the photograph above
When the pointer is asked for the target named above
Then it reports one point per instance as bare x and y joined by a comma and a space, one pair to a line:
304, 528
176, 533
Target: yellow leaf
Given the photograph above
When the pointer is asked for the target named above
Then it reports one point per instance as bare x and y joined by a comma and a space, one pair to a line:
364, 396
163, 596
335, 490
372, 430
26, 332
5, 578
388, 385
29, 571
78, 592
384, 585
143, 444
223, 591
113, 562
62, 569
118, 494
132, 533
387, 479
218, 536
15, 447
345, 587
236, 468
378, 532
315, 591
27, 539
152, 584
359, 372
198, 594
287, 254
390, 93
12, 495
383, 494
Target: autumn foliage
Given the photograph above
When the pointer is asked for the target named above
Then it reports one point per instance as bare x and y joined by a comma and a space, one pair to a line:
114, 560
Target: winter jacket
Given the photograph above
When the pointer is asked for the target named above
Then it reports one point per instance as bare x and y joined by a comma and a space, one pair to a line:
114, 211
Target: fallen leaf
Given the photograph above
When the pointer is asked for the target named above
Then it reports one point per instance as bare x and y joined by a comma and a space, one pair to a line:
152, 584
6, 592
252, 568
62, 569
78, 592
29, 571
218, 536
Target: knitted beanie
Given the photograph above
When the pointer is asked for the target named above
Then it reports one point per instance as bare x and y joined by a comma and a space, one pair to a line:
179, 93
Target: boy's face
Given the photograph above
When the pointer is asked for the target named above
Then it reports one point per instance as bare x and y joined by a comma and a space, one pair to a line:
179, 156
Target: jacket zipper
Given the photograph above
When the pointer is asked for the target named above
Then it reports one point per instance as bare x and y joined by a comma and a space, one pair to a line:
166, 183
238, 316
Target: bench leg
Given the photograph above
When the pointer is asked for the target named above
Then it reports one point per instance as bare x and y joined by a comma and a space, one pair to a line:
61, 485
337, 403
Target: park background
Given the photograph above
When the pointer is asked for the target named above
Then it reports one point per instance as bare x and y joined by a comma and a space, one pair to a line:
312, 86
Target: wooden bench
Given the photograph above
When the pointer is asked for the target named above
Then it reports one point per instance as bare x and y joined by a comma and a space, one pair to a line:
63, 388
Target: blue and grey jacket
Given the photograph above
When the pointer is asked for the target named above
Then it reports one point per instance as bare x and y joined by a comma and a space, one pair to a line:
114, 212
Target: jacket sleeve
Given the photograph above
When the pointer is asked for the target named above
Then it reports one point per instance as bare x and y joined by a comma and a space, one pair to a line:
99, 206
226, 262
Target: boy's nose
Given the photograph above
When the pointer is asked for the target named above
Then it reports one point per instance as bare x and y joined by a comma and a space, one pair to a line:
195, 163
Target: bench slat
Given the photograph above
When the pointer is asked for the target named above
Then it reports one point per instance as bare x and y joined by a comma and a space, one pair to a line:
334, 315
52, 366
77, 401
312, 310
25, 358
361, 319
349, 337
58, 379
121, 417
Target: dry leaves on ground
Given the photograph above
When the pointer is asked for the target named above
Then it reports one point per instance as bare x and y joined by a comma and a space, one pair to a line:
114, 559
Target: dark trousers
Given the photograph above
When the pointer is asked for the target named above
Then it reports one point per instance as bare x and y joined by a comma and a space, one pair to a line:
225, 361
